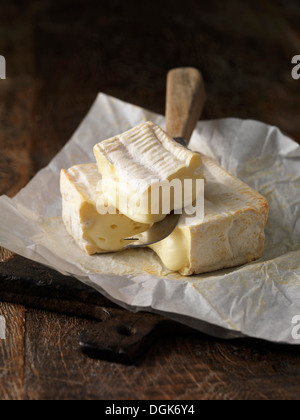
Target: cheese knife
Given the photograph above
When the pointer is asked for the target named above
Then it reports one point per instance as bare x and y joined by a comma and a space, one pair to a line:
185, 100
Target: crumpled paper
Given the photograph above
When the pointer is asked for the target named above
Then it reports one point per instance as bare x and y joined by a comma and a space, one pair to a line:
260, 299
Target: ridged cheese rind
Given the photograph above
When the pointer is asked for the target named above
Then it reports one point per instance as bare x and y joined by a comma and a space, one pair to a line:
140, 158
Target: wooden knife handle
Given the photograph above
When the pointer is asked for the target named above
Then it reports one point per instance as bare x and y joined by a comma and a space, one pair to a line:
185, 101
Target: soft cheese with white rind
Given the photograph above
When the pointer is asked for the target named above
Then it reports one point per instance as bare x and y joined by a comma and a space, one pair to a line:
231, 234
134, 163
93, 232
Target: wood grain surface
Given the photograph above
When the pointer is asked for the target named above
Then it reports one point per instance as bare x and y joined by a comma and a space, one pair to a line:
59, 55
185, 101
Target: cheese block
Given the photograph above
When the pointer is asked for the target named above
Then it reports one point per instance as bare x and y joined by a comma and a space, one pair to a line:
231, 233
93, 232
136, 164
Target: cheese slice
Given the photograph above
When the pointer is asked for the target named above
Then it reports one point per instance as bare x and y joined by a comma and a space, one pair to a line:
134, 166
231, 233
93, 232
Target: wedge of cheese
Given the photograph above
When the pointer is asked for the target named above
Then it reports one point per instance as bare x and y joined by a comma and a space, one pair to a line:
231, 234
134, 166
93, 232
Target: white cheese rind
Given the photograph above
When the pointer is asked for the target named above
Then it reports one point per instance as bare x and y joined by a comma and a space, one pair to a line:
93, 232
135, 162
231, 234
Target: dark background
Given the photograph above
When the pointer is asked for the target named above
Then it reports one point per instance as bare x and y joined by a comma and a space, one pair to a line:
60, 54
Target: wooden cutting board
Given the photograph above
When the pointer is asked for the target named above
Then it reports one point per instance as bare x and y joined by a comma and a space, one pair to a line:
115, 333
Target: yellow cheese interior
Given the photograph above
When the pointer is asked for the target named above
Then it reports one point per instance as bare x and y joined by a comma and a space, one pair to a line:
93, 232
230, 234
174, 251
106, 233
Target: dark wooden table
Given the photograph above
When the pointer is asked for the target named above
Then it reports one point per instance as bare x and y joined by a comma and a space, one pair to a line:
59, 55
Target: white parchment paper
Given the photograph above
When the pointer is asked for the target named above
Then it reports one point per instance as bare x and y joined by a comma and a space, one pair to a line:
259, 299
